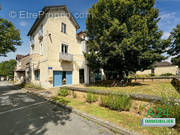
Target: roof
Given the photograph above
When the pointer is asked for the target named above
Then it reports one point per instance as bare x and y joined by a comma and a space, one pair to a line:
81, 32
20, 70
24, 62
163, 64
19, 57
79, 35
45, 10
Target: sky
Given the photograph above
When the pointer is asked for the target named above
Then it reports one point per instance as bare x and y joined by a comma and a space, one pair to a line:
20, 13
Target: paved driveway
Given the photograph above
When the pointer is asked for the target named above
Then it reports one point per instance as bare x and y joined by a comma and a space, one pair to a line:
24, 114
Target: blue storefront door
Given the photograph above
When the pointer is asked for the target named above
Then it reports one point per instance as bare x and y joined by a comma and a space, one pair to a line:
68, 77
57, 78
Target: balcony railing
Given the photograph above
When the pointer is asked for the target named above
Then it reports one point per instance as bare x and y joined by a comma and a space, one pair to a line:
66, 57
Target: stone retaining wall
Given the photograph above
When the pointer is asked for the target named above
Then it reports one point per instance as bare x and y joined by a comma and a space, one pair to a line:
140, 97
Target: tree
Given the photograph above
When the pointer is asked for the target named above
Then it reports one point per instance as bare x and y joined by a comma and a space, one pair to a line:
9, 37
7, 68
175, 45
123, 36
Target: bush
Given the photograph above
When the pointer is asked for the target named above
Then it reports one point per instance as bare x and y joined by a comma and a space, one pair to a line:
116, 102
61, 100
152, 74
63, 92
91, 98
173, 110
74, 95
167, 74
104, 101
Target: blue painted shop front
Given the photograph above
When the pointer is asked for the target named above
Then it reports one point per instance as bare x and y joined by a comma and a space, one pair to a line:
59, 76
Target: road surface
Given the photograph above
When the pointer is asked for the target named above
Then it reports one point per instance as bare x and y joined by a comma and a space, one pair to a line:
25, 114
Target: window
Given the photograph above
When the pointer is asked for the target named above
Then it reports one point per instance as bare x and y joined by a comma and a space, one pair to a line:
32, 39
81, 75
37, 75
64, 49
41, 49
152, 71
63, 27
32, 42
41, 31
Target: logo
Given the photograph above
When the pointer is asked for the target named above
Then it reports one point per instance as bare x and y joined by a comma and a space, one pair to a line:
158, 120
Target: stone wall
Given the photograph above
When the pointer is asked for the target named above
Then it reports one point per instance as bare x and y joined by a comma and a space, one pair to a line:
140, 97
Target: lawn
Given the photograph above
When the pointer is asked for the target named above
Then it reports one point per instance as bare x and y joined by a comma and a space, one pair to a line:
123, 119
157, 88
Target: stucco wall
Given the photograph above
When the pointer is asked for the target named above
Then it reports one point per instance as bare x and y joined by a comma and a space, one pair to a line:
161, 70
145, 72
53, 38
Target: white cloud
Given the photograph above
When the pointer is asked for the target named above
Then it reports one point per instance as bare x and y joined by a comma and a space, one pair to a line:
23, 24
165, 35
168, 17
168, 21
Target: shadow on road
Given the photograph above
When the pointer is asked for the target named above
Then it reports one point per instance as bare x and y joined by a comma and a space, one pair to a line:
19, 114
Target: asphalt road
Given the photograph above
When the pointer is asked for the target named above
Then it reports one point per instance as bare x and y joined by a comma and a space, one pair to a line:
24, 114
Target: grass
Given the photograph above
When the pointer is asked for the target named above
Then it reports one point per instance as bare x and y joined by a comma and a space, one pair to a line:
31, 85
157, 88
123, 119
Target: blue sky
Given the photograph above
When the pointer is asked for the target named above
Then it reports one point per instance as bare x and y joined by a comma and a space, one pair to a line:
169, 13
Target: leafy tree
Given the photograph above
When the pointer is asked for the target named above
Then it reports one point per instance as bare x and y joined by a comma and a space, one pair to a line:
7, 68
123, 36
175, 45
9, 37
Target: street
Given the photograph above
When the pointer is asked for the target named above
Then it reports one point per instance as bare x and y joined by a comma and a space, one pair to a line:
25, 114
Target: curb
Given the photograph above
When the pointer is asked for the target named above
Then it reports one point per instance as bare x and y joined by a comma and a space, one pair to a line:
100, 122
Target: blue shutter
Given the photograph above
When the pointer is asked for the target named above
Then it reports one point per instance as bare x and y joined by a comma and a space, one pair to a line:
57, 78
69, 77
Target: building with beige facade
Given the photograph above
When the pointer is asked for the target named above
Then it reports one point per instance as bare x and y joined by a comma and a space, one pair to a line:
161, 68
21, 73
56, 50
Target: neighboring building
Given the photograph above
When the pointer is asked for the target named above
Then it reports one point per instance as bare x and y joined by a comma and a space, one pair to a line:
21, 72
56, 51
161, 68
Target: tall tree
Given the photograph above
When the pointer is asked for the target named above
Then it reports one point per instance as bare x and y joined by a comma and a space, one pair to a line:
9, 37
175, 45
123, 36
7, 68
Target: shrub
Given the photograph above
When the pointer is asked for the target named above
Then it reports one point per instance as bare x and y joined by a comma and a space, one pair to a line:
152, 74
167, 74
173, 110
74, 94
91, 98
63, 92
141, 108
61, 100
104, 101
116, 102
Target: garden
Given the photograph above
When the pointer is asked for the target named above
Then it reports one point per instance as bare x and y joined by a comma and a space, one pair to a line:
124, 111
